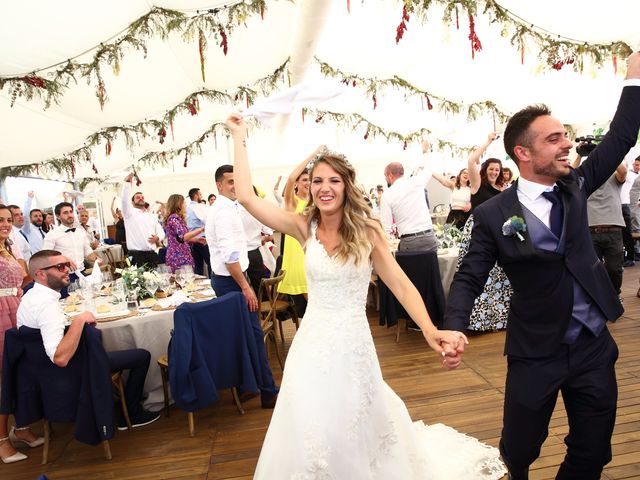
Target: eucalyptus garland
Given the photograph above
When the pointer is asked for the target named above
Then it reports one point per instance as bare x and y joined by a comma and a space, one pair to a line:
49, 83
373, 85
556, 50
354, 120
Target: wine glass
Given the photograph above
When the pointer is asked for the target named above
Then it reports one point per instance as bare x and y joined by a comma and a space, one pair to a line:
119, 292
180, 278
188, 273
152, 286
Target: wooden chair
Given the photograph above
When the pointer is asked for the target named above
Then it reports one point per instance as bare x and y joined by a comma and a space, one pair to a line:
269, 308
47, 440
272, 303
116, 380
163, 363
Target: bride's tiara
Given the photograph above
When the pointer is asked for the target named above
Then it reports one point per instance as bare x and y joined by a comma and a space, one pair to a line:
325, 152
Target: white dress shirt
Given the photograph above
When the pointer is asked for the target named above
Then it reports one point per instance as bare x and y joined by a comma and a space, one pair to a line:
40, 308
530, 195
72, 244
253, 229
139, 225
34, 234
20, 247
225, 236
405, 202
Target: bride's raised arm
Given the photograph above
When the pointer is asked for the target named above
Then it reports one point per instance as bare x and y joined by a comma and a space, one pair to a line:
449, 344
267, 213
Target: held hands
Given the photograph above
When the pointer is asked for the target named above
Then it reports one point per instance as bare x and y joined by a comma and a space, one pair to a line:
449, 344
236, 125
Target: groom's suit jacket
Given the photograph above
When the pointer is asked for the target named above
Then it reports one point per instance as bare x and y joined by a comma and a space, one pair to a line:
543, 280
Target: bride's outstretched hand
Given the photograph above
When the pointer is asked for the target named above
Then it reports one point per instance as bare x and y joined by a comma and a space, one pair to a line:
236, 125
449, 345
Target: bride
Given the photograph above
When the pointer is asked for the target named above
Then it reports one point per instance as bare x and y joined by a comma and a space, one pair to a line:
335, 417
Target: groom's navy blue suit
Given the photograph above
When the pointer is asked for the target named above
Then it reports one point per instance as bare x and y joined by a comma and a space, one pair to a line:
561, 291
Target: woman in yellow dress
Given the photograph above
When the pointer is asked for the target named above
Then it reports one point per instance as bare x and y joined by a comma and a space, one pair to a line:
296, 196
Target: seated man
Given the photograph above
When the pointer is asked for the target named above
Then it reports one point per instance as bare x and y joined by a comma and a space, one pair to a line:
40, 308
92, 235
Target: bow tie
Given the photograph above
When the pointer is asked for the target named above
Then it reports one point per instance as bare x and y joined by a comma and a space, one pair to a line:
70, 230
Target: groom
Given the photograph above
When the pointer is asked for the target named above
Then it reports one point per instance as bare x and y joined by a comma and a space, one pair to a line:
557, 339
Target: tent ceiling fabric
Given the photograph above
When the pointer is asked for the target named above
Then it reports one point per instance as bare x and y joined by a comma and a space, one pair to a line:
432, 56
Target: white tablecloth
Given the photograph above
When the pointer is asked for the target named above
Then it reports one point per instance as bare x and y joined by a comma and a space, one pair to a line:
114, 250
447, 260
150, 332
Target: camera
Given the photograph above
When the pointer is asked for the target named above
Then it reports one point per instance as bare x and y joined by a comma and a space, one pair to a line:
587, 144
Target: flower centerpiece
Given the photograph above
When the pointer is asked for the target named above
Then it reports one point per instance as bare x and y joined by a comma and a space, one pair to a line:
135, 279
447, 235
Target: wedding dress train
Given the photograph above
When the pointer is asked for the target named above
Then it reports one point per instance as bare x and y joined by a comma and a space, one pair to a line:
335, 417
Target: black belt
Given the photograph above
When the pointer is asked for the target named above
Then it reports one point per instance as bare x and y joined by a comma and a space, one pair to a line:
416, 234
605, 229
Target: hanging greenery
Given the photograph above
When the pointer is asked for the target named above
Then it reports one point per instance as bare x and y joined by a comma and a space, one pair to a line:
353, 121
556, 50
49, 83
373, 85
65, 164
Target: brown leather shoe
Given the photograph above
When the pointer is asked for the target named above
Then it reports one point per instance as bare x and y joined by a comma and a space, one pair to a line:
246, 396
271, 403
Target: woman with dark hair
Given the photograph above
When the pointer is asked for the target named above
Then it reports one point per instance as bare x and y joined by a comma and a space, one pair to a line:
48, 222
491, 308
12, 274
178, 234
460, 197
336, 415
121, 233
507, 173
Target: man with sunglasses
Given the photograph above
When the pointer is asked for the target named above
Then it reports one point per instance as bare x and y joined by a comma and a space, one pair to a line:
40, 308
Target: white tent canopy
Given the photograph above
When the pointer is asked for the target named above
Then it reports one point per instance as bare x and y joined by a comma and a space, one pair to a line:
432, 56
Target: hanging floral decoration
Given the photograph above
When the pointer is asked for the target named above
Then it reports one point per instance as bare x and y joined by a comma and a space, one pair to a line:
149, 128
555, 49
353, 121
50, 82
373, 85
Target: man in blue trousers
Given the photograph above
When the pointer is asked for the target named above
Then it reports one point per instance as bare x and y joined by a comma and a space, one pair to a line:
229, 261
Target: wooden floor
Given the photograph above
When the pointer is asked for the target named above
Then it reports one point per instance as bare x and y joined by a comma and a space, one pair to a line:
226, 445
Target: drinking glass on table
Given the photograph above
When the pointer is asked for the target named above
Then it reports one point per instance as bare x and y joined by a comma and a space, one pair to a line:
188, 273
118, 291
152, 286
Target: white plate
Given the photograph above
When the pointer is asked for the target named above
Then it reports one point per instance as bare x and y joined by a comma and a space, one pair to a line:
112, 313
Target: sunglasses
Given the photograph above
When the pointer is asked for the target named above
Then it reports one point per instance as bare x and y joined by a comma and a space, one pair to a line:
61, 267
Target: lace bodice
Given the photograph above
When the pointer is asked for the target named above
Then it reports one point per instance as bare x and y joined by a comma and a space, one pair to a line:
334, 285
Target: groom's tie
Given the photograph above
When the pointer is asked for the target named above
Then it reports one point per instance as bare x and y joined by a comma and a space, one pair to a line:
557, 211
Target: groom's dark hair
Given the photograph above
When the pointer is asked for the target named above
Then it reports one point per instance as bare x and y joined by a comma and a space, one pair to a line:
517, 131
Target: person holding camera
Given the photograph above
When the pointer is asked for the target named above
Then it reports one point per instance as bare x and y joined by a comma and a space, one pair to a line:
604, 211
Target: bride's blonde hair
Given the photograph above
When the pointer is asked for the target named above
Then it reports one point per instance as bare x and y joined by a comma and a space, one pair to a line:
358, 226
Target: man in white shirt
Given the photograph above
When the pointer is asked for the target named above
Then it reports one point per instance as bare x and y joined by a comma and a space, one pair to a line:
89, 231
627, 208
69, 240
33, 228
18, 235
144, 233
196, 218
229, 261
405, 203
40, 308
257, 235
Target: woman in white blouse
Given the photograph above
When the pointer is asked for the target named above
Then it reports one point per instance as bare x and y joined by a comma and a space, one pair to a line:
460, 197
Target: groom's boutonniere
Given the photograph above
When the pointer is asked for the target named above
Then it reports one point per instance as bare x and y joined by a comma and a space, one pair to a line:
514, 226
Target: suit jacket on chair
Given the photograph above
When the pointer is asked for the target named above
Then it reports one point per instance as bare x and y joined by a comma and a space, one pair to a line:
542, 280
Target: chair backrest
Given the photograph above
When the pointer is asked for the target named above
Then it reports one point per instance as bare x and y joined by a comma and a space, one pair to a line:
269, 292
213, 347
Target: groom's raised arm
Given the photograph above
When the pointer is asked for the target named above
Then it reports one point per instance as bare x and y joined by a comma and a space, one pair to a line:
622, 134
470, 279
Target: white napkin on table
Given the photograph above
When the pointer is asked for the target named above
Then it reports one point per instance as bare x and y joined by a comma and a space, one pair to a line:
178, 298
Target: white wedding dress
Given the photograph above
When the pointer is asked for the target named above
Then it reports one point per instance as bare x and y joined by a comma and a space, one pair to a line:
335, 417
